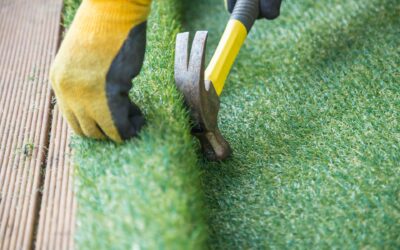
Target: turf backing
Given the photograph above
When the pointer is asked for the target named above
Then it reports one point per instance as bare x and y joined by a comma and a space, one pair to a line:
311, 109
145, 193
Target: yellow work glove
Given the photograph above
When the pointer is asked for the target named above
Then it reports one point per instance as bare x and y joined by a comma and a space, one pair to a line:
91, 75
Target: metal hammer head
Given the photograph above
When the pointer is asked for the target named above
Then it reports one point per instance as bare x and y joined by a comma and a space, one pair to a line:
200, 95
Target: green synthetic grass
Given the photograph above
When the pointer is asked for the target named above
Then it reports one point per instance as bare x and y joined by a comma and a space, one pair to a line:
311, 109
70, 8
144, 194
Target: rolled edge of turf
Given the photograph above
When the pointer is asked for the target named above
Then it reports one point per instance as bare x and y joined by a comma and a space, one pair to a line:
145, 193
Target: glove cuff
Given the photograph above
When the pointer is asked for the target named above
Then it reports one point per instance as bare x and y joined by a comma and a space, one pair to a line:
105, 15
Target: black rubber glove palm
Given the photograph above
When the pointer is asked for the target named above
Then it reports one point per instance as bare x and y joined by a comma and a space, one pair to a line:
269, 9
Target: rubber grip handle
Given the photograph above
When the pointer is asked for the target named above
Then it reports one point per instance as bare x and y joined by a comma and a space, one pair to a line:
246, 11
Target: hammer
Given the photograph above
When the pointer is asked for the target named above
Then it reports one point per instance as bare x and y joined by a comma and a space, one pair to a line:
201, 87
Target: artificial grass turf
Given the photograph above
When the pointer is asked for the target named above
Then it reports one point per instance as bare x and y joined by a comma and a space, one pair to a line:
70, 8
311, 109
145, 193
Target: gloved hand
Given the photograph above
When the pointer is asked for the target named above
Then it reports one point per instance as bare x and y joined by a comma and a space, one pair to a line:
91, 75
269, 9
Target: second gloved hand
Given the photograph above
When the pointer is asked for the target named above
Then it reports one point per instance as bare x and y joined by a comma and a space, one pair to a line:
91, 75
269, 9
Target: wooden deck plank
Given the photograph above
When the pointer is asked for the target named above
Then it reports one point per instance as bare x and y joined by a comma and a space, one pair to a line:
29, 34
57, 214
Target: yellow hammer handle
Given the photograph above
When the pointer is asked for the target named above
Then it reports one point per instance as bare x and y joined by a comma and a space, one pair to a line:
228, 48
242, 19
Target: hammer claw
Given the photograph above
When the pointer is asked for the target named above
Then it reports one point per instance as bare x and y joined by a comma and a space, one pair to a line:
181, 57
200, 95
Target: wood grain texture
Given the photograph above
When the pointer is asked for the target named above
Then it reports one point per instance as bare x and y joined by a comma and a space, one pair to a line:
57, 214
29, 37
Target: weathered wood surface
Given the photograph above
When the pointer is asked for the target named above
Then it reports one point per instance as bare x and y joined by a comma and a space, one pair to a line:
35, 174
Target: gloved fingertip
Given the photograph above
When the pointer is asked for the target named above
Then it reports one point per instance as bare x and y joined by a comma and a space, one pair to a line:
270, 9
117, 140
90, 128
230, 4
138, 122
270, 14
72, 121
